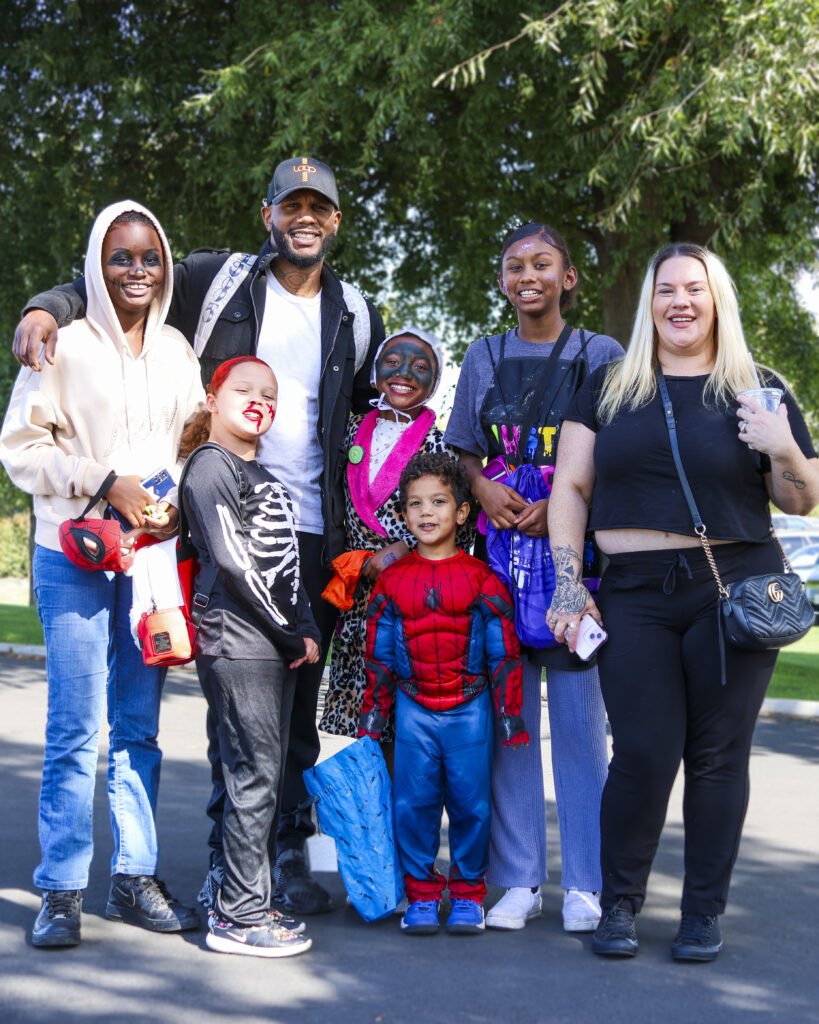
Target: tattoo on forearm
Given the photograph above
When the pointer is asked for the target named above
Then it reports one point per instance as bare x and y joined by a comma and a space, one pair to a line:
570, 595
388, 559
800, 485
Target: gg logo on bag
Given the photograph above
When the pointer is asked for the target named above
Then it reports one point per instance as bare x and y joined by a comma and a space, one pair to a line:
775, 591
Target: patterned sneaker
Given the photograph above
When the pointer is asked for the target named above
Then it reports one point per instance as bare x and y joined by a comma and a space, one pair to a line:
514, 909
465, 918
264, 940
421, 918
145, 901
210, 888
616, 934
59, 920
296, 891
581, 911
277, 920
699, 938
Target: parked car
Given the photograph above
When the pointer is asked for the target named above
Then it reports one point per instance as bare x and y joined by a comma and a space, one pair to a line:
805, 563
794, 540
781, 521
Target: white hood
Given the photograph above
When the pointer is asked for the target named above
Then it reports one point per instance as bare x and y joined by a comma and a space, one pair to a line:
99, 307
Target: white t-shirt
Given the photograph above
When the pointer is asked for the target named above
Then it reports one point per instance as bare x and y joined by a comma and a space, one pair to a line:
290, 342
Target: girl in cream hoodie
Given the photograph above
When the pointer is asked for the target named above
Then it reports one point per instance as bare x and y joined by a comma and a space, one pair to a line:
121, 388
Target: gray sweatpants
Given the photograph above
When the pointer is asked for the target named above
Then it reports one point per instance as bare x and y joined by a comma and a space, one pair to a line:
577, 721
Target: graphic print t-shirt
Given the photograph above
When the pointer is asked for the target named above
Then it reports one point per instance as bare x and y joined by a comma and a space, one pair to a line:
258, 608
493, 397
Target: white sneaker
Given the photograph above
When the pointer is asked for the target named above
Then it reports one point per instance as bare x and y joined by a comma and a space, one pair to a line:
581, 911
514, 909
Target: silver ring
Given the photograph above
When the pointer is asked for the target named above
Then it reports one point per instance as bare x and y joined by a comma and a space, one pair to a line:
572, 625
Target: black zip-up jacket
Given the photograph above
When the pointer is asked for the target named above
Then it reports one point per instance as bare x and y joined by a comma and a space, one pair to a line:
236, 333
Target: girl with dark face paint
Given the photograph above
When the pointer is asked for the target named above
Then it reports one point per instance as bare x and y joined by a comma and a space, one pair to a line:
406, 372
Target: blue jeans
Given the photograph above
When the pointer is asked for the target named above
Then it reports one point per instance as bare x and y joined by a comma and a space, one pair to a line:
91, 657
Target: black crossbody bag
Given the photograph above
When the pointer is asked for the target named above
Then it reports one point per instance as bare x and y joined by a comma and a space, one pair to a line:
759, 613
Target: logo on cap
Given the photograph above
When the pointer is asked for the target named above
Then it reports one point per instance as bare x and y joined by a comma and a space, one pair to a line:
305, 169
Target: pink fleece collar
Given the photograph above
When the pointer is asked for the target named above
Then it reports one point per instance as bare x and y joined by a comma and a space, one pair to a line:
367, 499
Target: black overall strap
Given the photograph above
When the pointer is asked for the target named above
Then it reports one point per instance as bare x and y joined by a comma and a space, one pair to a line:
543, 374
558, 386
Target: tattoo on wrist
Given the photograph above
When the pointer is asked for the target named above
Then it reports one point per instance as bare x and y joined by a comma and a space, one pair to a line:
389, 558
792, 479
567, 563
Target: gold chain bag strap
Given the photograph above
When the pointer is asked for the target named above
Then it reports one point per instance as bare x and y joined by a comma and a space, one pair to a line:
758, 613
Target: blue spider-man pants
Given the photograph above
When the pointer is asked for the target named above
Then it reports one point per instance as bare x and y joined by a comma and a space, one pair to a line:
443, 759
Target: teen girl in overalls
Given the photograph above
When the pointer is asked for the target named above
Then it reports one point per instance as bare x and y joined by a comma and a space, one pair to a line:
511, 384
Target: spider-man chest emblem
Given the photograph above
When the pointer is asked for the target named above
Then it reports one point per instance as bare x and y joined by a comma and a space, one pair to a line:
433, 599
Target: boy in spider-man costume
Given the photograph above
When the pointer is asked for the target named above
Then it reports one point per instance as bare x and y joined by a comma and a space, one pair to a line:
441, 642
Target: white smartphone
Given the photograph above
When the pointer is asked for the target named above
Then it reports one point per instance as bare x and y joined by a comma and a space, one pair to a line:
590, 636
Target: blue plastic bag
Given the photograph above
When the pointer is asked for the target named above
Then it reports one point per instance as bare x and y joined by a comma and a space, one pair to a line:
352, 792
525, 564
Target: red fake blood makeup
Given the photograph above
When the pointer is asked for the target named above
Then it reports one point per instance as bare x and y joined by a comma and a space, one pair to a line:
272, 410
254, 415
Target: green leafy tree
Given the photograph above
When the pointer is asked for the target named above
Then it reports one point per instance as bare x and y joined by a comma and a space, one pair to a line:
625, 123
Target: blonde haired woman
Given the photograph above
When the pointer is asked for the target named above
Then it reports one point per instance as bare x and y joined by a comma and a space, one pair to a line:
660, 671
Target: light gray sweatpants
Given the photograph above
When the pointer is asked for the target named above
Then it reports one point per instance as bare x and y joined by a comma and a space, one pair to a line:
577, 722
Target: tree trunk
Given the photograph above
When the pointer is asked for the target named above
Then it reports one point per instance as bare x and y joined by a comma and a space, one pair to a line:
621, 281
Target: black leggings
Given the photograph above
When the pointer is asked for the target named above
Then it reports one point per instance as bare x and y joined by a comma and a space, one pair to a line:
249, 705
293, 821
660, 677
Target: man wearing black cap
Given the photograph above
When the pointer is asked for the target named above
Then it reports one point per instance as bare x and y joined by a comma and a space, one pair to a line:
319, 335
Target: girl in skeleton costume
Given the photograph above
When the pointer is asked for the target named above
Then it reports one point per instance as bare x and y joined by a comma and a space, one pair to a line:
257, 628
406, 372
523, 381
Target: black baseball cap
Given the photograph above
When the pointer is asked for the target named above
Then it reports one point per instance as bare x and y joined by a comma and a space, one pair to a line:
302, 172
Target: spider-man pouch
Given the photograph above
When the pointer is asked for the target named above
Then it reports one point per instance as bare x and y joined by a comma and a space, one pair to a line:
94, 544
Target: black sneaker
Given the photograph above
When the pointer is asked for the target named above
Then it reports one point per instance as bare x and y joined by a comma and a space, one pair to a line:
144, 901
296, 891
699, 938
616, 935
262, 940
58, 923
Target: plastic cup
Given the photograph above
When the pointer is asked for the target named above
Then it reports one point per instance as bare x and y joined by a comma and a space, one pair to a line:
768, 398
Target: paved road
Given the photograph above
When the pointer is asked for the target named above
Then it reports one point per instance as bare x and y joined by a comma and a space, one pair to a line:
371, 974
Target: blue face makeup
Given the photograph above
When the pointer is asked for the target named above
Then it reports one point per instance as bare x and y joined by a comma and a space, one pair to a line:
409, 359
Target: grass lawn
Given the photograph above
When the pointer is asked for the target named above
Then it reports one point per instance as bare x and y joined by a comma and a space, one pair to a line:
19, 624
796, 676
797, 670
